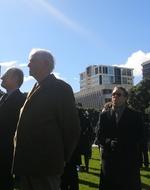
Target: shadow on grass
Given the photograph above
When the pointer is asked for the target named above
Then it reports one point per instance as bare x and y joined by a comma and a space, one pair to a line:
95, 174
90, 184
147, 176
98, 159
96, 169
145, 170
145, 187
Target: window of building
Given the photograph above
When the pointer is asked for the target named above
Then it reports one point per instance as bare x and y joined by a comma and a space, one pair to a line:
95, 77
108, 79
96, 70
146, 66
84, 76
107, 91
94, 82
100, 79
117, 75
128, 72
124, 80
107, 100
100, 71
105, 70
88, 71
93, 72
124, 72
111, 79
110, 70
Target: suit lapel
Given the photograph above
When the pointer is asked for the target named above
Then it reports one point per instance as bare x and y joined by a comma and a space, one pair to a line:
8, 102
123, 117
35, 90
111, 116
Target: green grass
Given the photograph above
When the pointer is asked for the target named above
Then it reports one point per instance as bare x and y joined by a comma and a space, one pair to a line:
90, 181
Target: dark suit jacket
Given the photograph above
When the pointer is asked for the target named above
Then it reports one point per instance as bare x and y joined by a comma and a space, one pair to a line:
120, 163
9, 114
48, 130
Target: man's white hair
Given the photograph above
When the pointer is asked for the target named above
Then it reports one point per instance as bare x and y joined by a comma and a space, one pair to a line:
44, 55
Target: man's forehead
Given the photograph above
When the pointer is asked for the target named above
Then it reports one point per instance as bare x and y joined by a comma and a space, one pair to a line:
118, 90
9, 71
34, 56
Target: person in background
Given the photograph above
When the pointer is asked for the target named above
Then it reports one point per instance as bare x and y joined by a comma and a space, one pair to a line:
149, 141
10, 104
143, 147
84, 138
107, 106
91, 134
69, 179
120, 131
48, 128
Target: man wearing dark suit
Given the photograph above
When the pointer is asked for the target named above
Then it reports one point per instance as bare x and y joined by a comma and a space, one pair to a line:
120, 131
10, 105
48, 128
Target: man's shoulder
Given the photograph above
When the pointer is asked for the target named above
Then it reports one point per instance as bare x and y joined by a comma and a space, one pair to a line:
18, 92
19, 95
57, 82
131, 110
61, 82
106, 112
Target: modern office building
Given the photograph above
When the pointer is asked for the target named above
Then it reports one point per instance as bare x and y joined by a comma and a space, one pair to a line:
97, 83
146, 69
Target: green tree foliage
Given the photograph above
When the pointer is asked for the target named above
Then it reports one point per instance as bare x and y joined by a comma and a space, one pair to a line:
139, 98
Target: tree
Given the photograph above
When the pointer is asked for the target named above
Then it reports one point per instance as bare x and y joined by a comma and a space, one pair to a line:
139, 98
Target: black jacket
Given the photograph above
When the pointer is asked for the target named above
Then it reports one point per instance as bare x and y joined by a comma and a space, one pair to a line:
120, 164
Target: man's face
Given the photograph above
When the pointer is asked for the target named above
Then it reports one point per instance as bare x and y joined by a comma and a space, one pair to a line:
118, 97
35, 66
8, 80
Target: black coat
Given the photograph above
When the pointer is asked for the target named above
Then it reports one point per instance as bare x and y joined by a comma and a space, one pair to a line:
120, 162
9, 113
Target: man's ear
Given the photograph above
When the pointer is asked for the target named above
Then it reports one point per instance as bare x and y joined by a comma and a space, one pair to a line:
46, 63
16, 78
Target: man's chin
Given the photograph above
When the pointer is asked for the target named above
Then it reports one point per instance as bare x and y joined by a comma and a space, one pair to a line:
2, 84
30, 73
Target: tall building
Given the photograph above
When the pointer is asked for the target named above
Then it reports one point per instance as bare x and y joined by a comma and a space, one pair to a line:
97, 83
146, 69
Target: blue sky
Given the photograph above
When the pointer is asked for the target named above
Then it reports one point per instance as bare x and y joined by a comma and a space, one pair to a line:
79, 33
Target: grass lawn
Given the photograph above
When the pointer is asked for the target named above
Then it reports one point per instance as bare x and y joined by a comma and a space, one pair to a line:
90, 181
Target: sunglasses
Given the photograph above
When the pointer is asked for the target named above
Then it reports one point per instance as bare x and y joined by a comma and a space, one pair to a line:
117, 94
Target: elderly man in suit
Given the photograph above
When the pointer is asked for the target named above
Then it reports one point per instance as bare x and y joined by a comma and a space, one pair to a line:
48, 128
10, 105
120, 131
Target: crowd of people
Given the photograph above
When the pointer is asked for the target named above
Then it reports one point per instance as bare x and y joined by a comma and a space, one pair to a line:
44, 135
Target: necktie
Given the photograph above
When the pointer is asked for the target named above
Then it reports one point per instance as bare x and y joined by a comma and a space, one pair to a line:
3, 98
117, 115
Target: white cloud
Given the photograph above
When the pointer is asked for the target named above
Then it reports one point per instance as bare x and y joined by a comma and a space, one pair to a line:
8, 64
57, 75
76, 79
135, 61
27, 78
23, 65
13, 63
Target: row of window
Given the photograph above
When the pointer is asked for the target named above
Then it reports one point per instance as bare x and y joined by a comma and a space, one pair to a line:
146, 66
106, 70
127, 72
